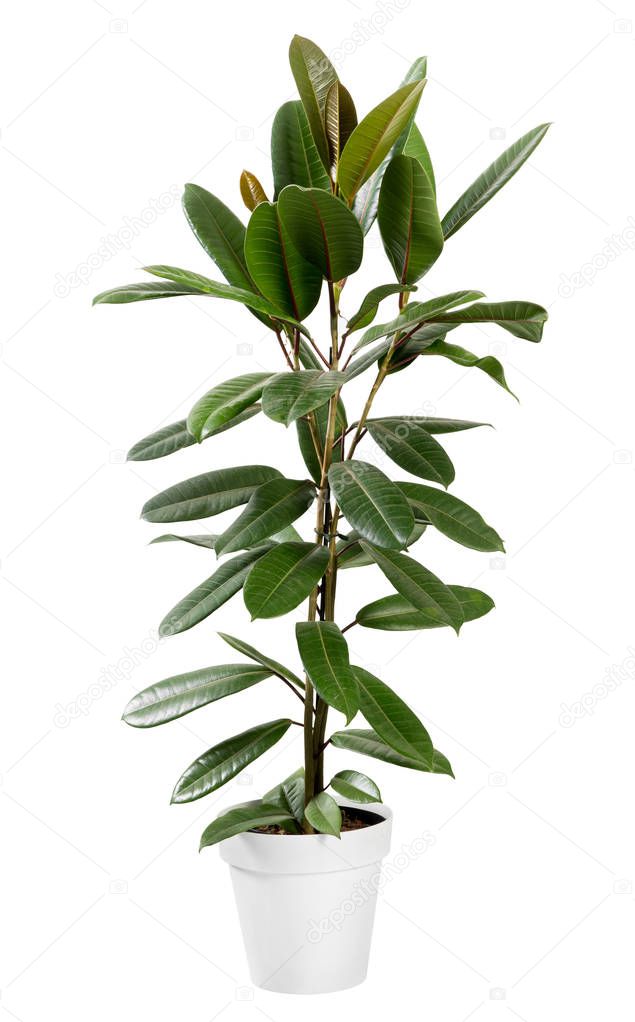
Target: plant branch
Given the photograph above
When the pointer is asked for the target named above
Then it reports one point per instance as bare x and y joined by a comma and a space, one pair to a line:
284, 349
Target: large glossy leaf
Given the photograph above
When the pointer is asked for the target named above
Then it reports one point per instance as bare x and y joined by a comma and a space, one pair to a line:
222, 762
283, 578
374, 137
452, 517
340, 120
272, 506
289, 795
205, 540
368, 743
367, 199
324, 814
217, 289
251, 190
369, 358
368, 309
314, 75
224, 402
372, 504
408, 219
496, 175
294, 156
220, 233
305, 437
324, 653
462, 357
416, 147
288, 396
396, 614
419, 586
174, 697
522, 319
435, 425
226, 581
415, 315
280, 272
242, 818
261, 658
351, 555
256, 302
145, 291
392, 719
411, 447
176, 436
207, 494
357, 787
322, 229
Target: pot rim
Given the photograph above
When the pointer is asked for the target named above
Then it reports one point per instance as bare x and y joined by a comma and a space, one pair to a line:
315, 853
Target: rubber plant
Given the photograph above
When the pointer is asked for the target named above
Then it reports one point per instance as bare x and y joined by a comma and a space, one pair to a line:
333, 176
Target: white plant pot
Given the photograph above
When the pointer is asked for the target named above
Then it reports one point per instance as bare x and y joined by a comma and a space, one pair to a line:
307, 903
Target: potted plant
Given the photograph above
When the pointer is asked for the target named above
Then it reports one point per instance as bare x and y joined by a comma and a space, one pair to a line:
305, 857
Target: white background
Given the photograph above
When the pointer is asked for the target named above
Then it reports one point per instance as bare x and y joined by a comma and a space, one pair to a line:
523, 907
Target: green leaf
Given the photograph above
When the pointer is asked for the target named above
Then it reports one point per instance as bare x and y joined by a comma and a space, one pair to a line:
462, 357
288, 396
340, 120
207, 494
314, 74
491, 180
368, 309
411, 447
452, 517
372, 504
324, 653
522, 319
435, 425
419, 586
367, 199
271, 665
143, 292
368, 359
206, 540
294, 156
368, 743
162, 442
415, 315
284, 277
415, 146
185, 279
220, 233
272, 506
289, 795
226, 581
408, 219
174, 697
284, 578
241, 819
351, 555
206, 286
222, 762
322, 229
324, 814
251, 190
224, 402
374, 136
176, 436
357, 787
392, 719
395, 614
305, 438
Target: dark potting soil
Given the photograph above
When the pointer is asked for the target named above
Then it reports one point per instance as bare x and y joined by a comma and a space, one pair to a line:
352, 819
